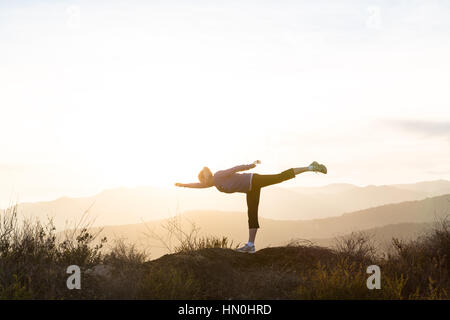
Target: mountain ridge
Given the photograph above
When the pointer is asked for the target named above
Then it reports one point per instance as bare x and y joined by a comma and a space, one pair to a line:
120, 206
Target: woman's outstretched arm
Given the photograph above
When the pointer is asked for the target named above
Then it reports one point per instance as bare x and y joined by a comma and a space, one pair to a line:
237, 169
192, 185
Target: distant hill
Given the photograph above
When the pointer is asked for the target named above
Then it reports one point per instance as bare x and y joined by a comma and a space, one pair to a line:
386, 221
133, 205
358, 198
382, 236
328, 189
432, 188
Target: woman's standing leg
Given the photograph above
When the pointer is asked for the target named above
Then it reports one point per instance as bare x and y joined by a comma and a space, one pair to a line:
259, 181
252, 208
252, 236
253, 225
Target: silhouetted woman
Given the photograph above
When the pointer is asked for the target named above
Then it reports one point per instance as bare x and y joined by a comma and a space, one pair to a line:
230, 181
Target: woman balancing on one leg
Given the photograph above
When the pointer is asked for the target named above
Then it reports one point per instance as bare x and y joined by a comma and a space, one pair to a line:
230, 181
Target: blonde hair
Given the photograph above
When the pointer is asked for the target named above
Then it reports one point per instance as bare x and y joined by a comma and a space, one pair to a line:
205, 172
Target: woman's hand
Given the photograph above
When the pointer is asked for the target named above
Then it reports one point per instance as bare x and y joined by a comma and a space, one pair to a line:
195, 185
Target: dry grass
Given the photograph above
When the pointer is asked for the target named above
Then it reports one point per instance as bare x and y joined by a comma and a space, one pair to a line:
33, 265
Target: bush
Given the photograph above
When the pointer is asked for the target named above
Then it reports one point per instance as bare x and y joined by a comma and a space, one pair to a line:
416, 269
425, 262
202, 243
33, 263
357, 246
346, 280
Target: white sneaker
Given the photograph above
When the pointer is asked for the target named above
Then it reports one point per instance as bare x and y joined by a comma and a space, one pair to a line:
317, 167
246, 249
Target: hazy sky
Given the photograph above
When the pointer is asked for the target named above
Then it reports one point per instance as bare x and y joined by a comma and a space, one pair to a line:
99, 94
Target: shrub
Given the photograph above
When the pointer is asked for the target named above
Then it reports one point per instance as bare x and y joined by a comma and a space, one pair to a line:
425, 261
33, 263
357, 246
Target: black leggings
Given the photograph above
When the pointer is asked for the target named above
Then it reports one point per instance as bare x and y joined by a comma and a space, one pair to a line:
259, 181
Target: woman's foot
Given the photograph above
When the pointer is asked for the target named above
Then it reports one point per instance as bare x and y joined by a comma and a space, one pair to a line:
317, 167
246, 249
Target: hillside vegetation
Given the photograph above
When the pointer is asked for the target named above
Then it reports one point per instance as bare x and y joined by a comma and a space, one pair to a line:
33, 263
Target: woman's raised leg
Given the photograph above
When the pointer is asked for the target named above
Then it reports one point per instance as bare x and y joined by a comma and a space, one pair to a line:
301, 170
264, 180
